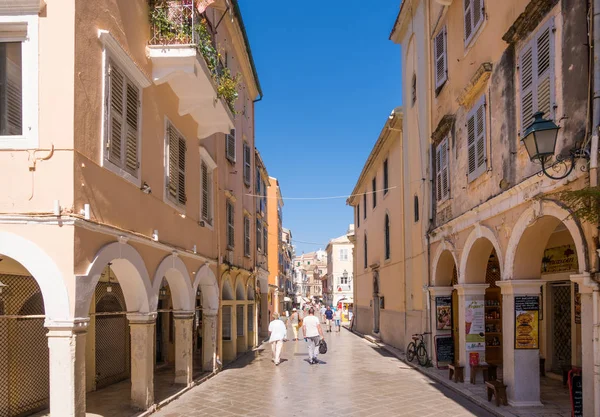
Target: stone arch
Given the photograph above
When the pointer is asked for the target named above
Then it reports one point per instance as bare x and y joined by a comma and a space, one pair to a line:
45, 272
227, 290
174, 271
444, 262
475, 254
532, 229
130, 271
206, 280
240, 290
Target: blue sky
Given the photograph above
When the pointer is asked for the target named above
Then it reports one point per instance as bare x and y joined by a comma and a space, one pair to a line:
330, 78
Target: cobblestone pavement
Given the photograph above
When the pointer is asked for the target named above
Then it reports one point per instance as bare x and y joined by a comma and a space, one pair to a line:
353, 379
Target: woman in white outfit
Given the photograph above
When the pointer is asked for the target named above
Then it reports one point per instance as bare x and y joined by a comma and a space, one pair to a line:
312, 334
278, 332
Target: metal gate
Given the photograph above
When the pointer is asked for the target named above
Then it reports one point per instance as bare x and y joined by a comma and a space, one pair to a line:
112, 335
561, 326
24, 370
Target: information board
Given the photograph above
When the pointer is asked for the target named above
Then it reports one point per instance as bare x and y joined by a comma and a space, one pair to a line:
576, 393
444, 350
527, 322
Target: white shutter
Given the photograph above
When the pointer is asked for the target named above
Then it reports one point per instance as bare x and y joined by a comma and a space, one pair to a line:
116, 88
131, 129
230, 225
259, 239
442, 180
544, 70
473, 17
247, 166
230, 146
527, 87
438, 174
468, 20
476, 142
175, 183
441, 65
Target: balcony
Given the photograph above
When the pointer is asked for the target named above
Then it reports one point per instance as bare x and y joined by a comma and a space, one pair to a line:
184, 54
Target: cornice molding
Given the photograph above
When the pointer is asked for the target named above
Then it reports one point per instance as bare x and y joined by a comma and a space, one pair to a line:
475, 85
527, 21
21, 7
122, 57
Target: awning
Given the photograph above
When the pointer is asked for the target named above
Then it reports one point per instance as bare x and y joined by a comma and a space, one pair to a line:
287, 299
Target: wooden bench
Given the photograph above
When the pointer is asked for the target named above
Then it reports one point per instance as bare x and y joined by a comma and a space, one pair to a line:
456, 371
498, 389
476, 368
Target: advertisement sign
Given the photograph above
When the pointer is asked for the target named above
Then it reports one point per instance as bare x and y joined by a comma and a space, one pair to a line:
559, 259
443, 308
577, 305
526, 322
475, 327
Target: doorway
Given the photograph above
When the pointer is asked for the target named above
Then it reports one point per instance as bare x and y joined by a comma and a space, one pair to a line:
561, 329
376, 301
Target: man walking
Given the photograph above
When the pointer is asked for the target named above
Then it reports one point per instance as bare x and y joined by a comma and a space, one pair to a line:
294, 320
278, 332
328, 318
312, 334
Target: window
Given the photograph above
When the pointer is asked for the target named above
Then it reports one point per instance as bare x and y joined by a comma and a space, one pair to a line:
416, 208
343, 254
246, 236
206, 177
358, 215
122, 116
176, 149
259, 239
476, 142
230, 146
247, 166
230, 226
441, 173
250, 317
374, 183
265, 239
239, 312
226, 319
343, 280
414, 90
441, 58
474, 14
386, 183
366, 252
19, 51
365, 205
387, 236
298, 264
536, 65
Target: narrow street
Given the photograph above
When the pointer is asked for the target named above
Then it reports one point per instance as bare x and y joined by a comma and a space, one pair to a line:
353, 379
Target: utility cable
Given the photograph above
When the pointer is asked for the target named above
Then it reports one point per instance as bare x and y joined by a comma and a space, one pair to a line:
324, 198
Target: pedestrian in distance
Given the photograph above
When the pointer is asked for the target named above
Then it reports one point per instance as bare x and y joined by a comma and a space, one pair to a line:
323, 310
328, 318
312, 334
338, 319
278, 333
295, 321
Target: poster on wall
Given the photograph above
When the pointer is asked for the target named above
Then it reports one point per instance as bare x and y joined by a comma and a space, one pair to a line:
559, 259
526, 322
577, 305
475, 330
443, 308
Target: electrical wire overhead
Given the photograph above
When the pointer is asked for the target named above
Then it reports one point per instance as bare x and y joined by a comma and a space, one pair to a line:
324, 198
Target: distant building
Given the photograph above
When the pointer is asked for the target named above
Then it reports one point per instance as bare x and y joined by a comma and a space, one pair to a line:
308, 270
338, 282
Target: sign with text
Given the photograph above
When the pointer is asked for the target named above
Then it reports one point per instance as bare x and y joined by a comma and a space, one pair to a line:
475, 328
576, 393
443, 308
526, 322
559, 259
444, 350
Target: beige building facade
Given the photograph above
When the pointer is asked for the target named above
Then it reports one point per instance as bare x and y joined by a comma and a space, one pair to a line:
275, 245
511, 267
125, 226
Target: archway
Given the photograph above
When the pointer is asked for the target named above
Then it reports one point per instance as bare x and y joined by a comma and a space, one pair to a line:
546, 247
240, 315
228, 324
206, 289
251, 323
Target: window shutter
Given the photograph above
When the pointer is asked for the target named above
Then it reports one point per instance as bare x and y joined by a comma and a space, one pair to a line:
474, 15
441, 66
13, 95
131, 132
181, 197
265, 239
444, 176
246, 236
480, 136
116, 88
205, 197
173, 163
259, 239
468, 20
438, 174
477, 140
471, 144
358, 215
477, 13
527, 84
365, 205
247, 167
544, 71
230, 146
230, 225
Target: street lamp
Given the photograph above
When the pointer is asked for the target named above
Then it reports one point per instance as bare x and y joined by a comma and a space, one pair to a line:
540, 141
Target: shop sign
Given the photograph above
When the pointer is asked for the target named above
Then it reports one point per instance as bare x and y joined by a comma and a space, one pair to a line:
526, 322
560, 259
443, 308
475, 325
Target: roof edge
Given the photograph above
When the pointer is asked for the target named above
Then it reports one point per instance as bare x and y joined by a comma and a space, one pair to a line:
238, 15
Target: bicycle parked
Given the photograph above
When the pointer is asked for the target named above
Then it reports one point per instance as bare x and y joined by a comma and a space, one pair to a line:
417, 348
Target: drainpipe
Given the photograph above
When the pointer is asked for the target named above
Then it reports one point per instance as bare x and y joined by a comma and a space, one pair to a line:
593, 183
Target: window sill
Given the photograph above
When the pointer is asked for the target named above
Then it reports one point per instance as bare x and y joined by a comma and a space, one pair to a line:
18, 142
180, 209
208, 224
122, 173
231, 161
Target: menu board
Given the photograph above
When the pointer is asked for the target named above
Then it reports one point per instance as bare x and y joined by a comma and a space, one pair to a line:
443, 307
444, 350
576, 394
526, 322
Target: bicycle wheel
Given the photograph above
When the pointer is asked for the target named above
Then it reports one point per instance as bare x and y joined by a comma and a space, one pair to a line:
422, 355
411, 351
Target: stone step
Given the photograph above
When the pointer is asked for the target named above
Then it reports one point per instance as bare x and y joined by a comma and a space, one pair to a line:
373, 339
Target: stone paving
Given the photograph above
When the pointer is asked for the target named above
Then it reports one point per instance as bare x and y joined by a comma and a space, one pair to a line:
354, 378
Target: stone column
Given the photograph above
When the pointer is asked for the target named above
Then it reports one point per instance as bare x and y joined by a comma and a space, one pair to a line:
141, 327
521, 367
586, 289
184, 343
209, 340
66, 343
433, 293
467, 294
